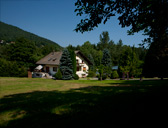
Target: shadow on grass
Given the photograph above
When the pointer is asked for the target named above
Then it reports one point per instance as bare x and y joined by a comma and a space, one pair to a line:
143, 82
86, 107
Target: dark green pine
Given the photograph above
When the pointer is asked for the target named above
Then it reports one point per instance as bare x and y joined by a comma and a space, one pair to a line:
66, 65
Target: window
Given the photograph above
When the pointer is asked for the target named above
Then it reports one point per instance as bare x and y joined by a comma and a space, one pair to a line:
77, 61
78, 68
84, 69
37, 74
50, 59
54, 59
55, 69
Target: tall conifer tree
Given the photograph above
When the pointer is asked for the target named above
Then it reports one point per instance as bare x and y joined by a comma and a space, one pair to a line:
66, 65
106, 62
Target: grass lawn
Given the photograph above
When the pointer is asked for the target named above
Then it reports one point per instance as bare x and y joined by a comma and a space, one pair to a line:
37, 103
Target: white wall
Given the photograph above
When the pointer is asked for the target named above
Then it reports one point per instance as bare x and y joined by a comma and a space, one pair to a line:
84, 64
79, 73
51, 69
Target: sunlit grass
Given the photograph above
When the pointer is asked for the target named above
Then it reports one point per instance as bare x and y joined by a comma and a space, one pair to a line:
42, 102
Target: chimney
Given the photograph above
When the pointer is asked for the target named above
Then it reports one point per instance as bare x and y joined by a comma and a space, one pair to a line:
29, 73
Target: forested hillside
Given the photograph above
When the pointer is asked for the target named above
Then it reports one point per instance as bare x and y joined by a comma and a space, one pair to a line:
20, 50
10, 33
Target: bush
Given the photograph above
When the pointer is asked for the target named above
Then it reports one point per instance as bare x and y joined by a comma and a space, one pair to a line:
114, 75
12, 69
76, 77
58, 75
103, 77
91, 74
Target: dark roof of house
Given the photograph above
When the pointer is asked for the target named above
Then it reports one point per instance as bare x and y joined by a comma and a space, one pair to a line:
54, 58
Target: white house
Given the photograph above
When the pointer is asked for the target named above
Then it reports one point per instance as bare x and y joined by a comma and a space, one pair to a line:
82, 64
50, 64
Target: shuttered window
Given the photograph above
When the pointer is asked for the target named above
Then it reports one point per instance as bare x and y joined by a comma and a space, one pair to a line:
84, 69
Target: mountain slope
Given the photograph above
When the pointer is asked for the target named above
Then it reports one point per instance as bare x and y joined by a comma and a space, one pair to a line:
10, 33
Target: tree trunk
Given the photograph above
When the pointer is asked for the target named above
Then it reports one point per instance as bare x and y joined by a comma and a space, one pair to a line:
101, 78
127, 75
123, 77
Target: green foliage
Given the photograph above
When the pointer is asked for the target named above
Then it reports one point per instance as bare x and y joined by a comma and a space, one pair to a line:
22, 49
148, 16
129, 62
12, 69
97, 55
88, 49
143, 15
125, 60
106, 60
91, 67
115, 52
71, 50
58, 75
104, 40
48, 48
114, 75
101, 72
156, 60
66, 65
76, 77
73, 58
103, 77
91, 73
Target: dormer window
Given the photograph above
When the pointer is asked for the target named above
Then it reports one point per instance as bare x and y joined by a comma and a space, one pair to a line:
50, 59
54, 59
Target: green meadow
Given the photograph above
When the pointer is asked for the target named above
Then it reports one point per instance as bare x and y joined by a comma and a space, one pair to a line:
37, 103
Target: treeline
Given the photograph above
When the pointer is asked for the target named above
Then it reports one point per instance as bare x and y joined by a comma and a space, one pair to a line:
129, 59
17, 57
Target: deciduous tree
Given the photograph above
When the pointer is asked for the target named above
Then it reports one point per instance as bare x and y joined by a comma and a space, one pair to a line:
151, 16
104, 40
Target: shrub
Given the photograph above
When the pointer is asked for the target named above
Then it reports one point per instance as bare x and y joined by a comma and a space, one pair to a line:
91, 74
76, 77
114, 75
12, 69
58, 75
103, 77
